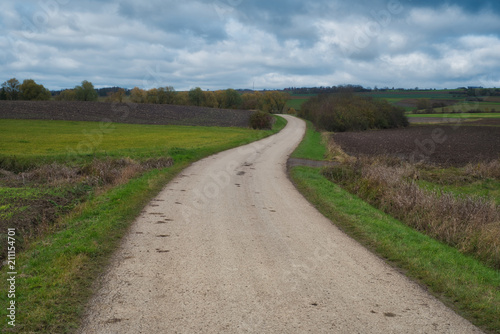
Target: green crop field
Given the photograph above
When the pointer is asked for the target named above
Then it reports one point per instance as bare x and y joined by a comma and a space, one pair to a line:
296, 103
54, 140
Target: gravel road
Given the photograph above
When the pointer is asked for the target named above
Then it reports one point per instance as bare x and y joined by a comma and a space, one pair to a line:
230, 246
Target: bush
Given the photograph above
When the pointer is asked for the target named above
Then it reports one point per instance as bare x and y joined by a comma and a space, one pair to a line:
348, 112
261, 120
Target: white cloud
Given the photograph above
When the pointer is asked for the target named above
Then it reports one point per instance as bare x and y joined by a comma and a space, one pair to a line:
226, 43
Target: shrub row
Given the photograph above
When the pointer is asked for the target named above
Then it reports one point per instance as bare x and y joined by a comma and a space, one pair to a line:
349, 112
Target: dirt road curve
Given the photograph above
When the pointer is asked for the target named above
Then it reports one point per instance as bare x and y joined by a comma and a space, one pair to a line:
231, 247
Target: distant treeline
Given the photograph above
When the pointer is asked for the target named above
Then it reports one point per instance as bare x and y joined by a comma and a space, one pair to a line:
345, 111
269, 101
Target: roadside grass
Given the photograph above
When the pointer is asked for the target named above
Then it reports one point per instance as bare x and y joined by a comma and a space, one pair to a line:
460, 281
310, 147
56, 271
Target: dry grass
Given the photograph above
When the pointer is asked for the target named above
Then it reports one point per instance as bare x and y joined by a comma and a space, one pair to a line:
470, 224
32, 201
488, 169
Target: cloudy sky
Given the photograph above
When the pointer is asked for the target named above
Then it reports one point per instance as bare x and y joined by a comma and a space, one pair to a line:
218, 44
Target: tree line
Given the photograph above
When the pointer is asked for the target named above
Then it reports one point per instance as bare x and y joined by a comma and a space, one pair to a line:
29, 90
345, 111
12, 89
268, 101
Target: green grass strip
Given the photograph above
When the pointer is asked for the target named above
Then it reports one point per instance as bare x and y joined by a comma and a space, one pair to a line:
310, 147
462, 282
55, 273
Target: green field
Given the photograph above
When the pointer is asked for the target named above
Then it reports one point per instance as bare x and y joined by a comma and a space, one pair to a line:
60, 260
296, 103
59, 140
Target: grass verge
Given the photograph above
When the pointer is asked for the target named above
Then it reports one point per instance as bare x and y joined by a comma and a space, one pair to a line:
310, 147
55, 273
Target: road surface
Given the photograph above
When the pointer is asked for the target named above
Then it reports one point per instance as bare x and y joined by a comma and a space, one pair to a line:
230, 246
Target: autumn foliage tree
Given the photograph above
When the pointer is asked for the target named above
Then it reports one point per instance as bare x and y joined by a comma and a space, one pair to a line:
30, 90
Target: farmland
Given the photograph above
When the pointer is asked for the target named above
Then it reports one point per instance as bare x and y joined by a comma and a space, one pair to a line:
50, 166
455, 146
130, 113
80, 183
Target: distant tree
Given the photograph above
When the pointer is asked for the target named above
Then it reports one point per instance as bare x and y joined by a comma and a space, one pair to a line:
210, 100
220, 96
274, 101
196, 96
11, 88
3, 94
251, 101
30, 90
138, 95
233, 99
86, 92
166, 95
66, 95
117, 96
182, 98
152, 96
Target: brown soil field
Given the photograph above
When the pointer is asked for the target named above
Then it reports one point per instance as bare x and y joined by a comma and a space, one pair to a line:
161, 114
437, 144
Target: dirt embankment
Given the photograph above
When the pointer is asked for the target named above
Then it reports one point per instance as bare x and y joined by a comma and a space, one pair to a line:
161, 114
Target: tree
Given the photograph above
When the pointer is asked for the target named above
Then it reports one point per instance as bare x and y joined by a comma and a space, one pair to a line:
152, 96
182, 98
30, 90
274, 101
210, 100
66, 95
11, 87
3, 94
233, 99
251, 101
117, 96
138, 95
86, 92
166, 95
196, 96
